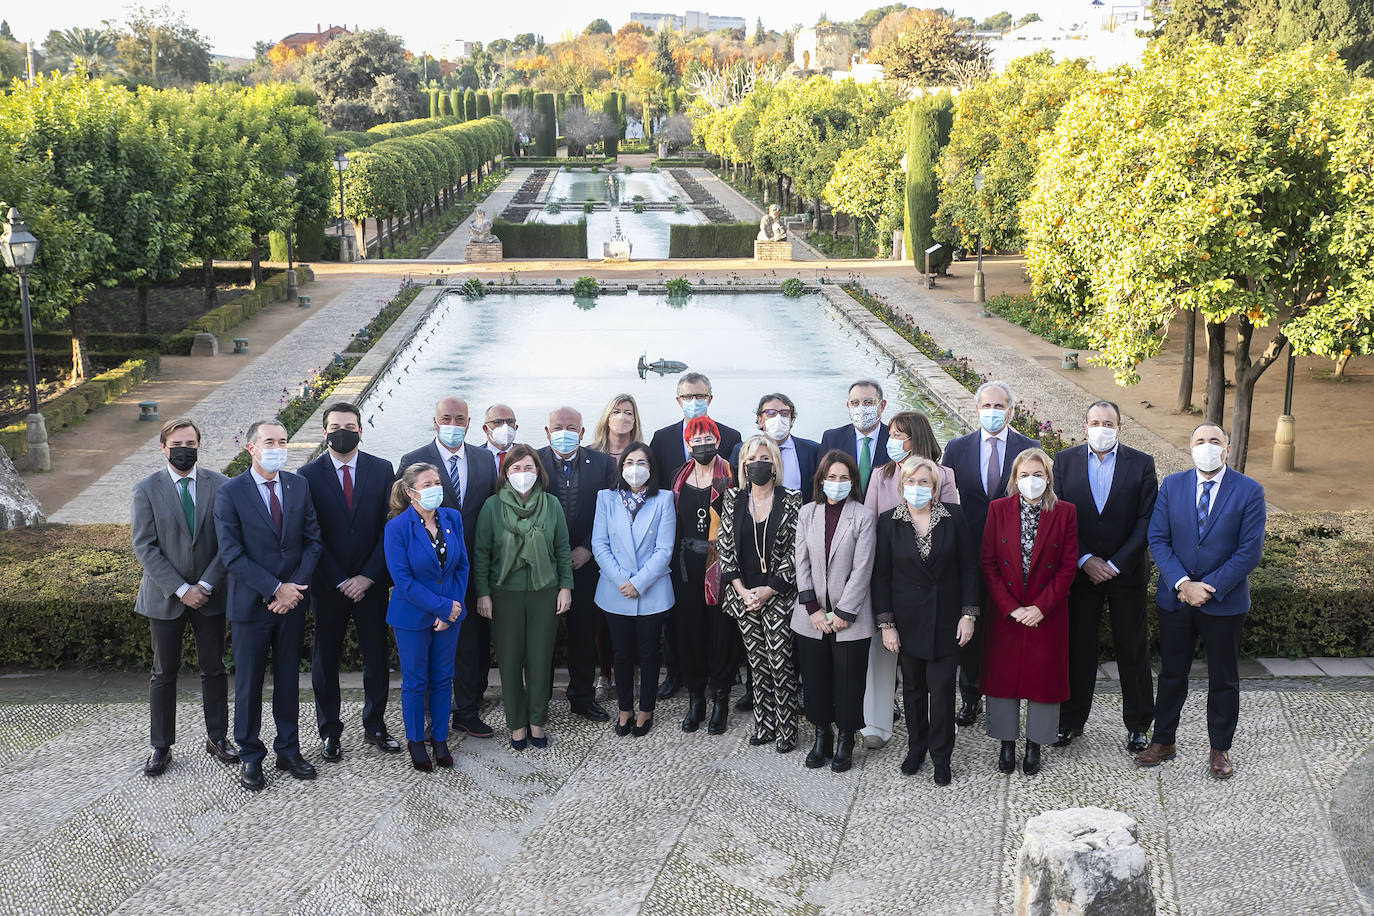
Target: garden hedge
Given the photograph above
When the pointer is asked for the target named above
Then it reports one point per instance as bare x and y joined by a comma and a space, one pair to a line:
72, 405
713, 240
541, 240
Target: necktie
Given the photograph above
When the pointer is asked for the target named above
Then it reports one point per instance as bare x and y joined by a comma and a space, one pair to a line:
347, 487
188, 505
453, 476
865, 462
1204, 505
273, 504
500, 460
567, 471
994, 469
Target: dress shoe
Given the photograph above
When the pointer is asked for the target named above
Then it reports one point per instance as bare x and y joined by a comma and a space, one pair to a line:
968, 713
1155, 754
914, 761
331, 751
696, 711
471, 725
1030, 764
221, 750
639, 731
1135, 742
896, 709
519, 744
844, 753
786, 745
624, 728
296, 765
419, 756
1220, 764
539, 740
670, 685
157, 761
758, 739
603, 689
746, 702
382, 741
1066, 736
823, 750
942, 774
720, 713
442, 755
250, 775
590, 710
1006, 758
875, 742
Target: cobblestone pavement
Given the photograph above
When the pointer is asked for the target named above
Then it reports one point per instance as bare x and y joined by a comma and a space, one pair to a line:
669, 823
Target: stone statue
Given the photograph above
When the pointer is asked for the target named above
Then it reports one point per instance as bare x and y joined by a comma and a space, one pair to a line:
771, 227
481, 228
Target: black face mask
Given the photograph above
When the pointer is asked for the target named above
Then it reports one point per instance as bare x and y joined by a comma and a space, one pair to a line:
759, 472
704, 454
343, 441
182, 457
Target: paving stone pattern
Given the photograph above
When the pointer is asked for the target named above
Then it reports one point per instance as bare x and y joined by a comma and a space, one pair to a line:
669, 823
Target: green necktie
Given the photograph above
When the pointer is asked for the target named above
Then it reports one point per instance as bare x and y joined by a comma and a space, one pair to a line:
188, 505
865, 463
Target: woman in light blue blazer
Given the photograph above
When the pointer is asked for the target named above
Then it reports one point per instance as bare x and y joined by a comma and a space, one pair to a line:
428, 562
632, 541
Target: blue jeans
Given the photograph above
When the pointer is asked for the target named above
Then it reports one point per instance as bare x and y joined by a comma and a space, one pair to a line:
426, 673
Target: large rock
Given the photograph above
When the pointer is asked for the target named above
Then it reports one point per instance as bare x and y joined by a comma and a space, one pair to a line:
18, 508
1082, 862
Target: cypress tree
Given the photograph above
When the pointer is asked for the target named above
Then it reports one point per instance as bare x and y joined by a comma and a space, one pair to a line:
432, 98
620, 112
928, 123
510, 101
455, 100
545, 136
611, 106
483, 103
496, 103
470, 105
526, 97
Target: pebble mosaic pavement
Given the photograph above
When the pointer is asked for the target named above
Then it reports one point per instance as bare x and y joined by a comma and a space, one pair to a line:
669, 823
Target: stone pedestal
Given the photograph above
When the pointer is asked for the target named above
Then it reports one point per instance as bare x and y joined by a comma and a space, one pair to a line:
1082, 862
36, 437
618, 250
483, 251
1285, 435
205, 344
773, 251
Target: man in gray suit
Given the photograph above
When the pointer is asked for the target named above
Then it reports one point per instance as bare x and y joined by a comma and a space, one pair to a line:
183, 578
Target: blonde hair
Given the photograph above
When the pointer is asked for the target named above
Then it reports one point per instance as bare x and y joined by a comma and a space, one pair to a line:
750, 446
1047, 500
915, 463
400, 502
601, 433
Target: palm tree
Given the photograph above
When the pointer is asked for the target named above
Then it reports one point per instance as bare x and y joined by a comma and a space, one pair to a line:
90, 51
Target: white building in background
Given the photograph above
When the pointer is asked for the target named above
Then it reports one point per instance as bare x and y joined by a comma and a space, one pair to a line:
691, 21
1101, 31
455, 50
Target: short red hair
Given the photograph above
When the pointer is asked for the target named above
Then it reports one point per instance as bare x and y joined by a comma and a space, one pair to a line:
700, 426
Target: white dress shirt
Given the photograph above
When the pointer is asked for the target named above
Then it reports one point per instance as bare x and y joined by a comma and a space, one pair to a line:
1211, 501
265, 492
462, 455
177, 478
872, 437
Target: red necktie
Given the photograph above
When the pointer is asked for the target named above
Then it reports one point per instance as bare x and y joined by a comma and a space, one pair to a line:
274, 504
500, 461
347, 487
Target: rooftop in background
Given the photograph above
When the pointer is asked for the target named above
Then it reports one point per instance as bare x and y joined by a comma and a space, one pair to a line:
691, 21
1101, 31
301, 41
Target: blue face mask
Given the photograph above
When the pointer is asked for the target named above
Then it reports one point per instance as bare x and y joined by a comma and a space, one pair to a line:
896, 450
564, 441
838, 490
694, 408
431, 498
917, 497
452, 436
991, 419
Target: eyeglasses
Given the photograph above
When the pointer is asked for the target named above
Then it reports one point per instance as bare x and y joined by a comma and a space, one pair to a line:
502, 421
770, 413
866, 402
694, 397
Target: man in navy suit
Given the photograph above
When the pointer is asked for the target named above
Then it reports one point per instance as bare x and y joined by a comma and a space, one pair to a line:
1113, 487
670, 454
864, 438
352, 494
468, 475
270, 543
775, 415
576, 475
981, 462
1206, 534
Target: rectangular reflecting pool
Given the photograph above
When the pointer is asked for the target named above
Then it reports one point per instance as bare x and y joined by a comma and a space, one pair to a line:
576, 187
536, 352
648, 232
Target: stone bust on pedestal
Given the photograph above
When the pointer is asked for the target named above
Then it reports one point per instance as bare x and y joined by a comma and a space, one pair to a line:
771, 227
481, 228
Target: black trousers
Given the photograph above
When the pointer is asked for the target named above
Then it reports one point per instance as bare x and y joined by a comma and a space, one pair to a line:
928, 699
708, 643
636, 639
1178, 635
214, 686
280, 636
472, 662
971, 657
332, 613
834, 673
580, 624
1126, 604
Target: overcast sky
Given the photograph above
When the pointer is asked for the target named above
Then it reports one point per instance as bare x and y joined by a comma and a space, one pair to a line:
233, 27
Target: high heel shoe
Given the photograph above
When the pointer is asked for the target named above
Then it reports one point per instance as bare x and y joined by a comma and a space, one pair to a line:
639, 731
823, 749
419, 756
1006, 760
442, 755
519, 744
624, 728
1030, 764
539, 740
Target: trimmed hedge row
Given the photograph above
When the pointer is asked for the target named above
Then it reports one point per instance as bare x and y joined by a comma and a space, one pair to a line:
219, 320
541, 240
96, 341
67, 594
713, 240
72, 405
678, 162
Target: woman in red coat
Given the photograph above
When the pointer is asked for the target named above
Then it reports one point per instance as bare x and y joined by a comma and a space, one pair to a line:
1029, 558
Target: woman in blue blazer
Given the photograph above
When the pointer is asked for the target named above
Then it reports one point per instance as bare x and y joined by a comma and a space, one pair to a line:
632, 541
428, 562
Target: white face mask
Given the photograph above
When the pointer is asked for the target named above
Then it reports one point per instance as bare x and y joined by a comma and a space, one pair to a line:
272, 460
1101, 438
636, 475
838, 490
1031, 487
917, 496
1207, 456
864, 418
523, 481
503, 436
777, 428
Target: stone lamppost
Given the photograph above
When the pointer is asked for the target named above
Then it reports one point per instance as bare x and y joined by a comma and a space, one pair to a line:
19, 248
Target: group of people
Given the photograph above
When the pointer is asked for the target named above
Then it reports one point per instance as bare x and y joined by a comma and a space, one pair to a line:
979, 569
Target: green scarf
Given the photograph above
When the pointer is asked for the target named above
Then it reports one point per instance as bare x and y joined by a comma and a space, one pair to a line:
524, 527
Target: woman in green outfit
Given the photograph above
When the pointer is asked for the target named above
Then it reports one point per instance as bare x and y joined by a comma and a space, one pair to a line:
522, 574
